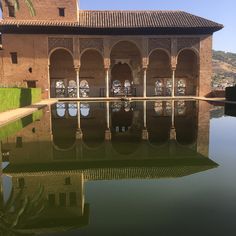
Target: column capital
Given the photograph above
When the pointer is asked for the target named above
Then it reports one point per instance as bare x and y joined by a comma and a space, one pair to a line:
145, 62
77, 67
107, 63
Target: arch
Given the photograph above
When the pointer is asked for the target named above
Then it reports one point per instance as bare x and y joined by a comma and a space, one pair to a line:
127, 41
62, 69
59, 48
194, 50
159, 69
91, 49
127, 55
159, 49
92, 70
187, 70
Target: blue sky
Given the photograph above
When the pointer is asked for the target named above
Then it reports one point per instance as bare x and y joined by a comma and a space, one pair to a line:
223, 12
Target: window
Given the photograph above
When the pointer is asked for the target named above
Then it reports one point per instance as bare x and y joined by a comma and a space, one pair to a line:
73, 201
21, 182
11, 11
19, 143
14, 59
61, 12
51, 199
62, 199
67, 181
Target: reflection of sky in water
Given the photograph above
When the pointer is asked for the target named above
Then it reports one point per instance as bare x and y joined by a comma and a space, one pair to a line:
200, 204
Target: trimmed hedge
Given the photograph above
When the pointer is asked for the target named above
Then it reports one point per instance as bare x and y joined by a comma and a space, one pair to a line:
16, 126
12, 98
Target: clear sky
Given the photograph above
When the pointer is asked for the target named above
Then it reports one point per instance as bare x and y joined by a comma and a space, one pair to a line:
223, 12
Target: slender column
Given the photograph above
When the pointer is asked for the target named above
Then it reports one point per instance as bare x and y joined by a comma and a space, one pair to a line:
79, 133
77, 81
49, 83
173, 82
107, 70
145, 135
144, 82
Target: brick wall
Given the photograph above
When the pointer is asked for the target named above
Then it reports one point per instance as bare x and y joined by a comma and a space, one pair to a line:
45, 10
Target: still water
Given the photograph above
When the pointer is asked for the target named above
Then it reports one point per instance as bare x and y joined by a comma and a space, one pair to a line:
142, 168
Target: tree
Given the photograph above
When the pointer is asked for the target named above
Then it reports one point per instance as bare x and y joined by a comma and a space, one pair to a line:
17, 5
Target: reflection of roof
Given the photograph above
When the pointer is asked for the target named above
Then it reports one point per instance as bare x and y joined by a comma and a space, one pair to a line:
57, 224
127, 20
108, 170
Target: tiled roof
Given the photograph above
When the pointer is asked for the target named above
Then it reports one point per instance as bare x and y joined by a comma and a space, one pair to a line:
142, 19
125, 19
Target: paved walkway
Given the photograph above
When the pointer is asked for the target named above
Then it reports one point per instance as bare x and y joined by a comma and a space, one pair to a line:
13, 115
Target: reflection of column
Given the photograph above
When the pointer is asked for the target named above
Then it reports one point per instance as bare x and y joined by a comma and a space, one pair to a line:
79, 133
173, 131
173, 82
145, 82
107, 70
144, 131
108, 128
77, 81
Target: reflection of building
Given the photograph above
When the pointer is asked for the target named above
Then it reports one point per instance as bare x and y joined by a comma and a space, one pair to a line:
64, 50
106, 141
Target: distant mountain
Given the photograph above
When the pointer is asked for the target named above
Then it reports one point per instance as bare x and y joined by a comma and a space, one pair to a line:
224, 69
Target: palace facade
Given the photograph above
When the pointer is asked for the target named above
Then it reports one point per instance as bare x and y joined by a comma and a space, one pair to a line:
69, 52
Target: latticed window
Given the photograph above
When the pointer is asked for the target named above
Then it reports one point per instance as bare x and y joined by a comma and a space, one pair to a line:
11, 11
159, 86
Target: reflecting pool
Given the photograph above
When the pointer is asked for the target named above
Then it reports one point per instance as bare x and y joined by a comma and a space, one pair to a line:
120, 168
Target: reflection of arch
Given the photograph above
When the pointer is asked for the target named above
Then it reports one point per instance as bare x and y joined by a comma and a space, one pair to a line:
61, 109
159, 69
72, 109
84, 109
61, 69
92, 70
187, 69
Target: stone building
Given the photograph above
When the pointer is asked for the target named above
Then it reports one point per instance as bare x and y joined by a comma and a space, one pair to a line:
106, 53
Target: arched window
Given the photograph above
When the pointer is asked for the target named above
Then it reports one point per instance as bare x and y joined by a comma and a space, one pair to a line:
72, 109
72, 89
169, 87
181, 87
127, 87
116, 87
84, 88
60, 88
159, 88
61, 109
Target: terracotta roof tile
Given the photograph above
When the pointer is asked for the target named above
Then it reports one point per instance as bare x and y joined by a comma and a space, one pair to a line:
126, 19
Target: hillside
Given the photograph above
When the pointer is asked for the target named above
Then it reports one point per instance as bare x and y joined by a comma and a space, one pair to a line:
224, 69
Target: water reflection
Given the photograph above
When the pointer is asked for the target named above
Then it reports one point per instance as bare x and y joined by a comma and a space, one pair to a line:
101, 141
